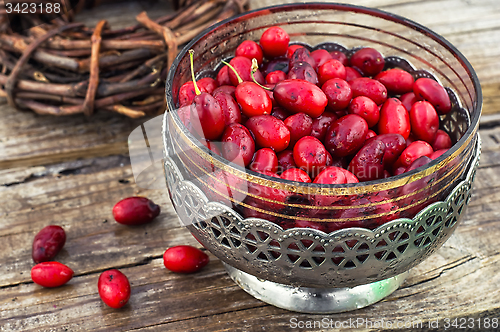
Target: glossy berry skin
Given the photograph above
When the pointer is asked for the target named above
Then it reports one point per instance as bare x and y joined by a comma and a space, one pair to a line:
338, 93
250, 49
414, 151
269, 132
331, 69
280, 63
291, 49
331, 175
394, 119
51, 274
321, 123
441, 141
430, 90
207, 117
397, 81
408, 99
303, 71
285, 160
351, 74
275, 77
253, 99
230, 108
264, 160
370, 88
367, 164
135, 211
299, 125
47, 243
309, 154
184, 259
394, 146
424, 121
229, 89
302, 55
274, 42
368, 61
419, 162
365, 108
222, 77
280, 113
350, 177
187, 93
243, 66
320, 56
340, 56
370, 134
296, 174
346, 135
437, 154
300, 96
238, 145
114, 288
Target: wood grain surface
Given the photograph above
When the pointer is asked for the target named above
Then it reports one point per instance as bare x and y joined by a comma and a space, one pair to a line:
71, 171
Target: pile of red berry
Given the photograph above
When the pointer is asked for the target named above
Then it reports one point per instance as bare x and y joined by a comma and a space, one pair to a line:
316, 116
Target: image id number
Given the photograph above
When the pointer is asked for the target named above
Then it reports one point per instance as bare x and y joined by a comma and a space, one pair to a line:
32, 8
468, 323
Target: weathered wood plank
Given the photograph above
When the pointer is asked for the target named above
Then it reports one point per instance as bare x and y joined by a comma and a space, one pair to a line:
28, 139
81, 204
453, 283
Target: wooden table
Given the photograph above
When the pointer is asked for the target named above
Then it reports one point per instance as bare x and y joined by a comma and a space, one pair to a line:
71, 171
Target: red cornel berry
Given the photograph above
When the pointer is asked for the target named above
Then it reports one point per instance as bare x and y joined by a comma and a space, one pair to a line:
51, 274
135, 211
47, 243
184, 259
114, 288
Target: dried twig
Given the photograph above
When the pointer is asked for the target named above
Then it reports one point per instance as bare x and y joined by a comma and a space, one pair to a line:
60, 68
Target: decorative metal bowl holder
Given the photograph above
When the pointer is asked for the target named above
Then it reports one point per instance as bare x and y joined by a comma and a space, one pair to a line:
307, 270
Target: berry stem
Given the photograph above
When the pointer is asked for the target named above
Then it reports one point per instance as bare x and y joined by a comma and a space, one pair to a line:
196, 90
234, 70
255, 67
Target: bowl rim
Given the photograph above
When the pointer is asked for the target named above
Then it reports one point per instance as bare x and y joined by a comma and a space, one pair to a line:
352, 188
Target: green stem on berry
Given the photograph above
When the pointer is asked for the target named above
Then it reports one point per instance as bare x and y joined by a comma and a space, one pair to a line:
196, 90
234, 70
255, 67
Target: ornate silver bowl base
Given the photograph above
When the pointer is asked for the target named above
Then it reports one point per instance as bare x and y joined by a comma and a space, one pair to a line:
315, 300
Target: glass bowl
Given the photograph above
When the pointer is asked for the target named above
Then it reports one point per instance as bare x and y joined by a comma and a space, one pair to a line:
335, 240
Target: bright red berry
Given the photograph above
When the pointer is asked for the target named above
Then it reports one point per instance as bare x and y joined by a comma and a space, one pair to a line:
51, 274
274, 42
135, 211
184, 259
114, 288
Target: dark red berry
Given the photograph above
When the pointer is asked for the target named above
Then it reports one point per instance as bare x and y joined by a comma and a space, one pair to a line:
238, 145
346, 135
135, 211
430, 90
368, 61
47, 243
